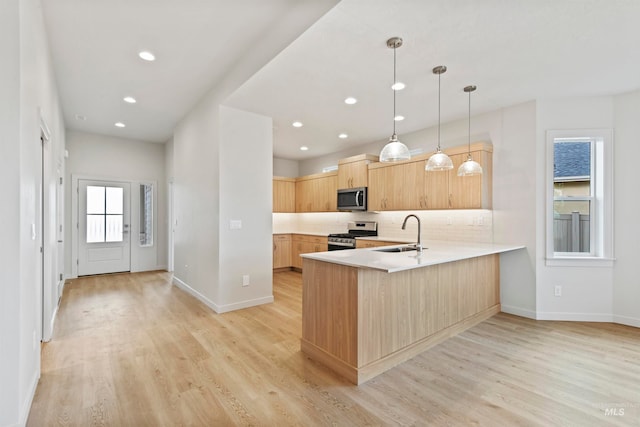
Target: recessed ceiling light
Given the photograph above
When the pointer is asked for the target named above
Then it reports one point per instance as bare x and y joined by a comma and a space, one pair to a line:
343, 136
147, 56
350, 100
398, 118
398, 86
296, 124
120, 125
80, 117
304, 148
129, 99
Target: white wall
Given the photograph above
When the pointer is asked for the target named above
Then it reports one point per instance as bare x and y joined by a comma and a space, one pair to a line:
626, 292
196, 201
11, 397
245, 195
586, 291
285, 167
107, 157
28, 92
200, 198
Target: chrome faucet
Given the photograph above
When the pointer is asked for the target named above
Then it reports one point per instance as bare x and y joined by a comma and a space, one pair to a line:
404, 226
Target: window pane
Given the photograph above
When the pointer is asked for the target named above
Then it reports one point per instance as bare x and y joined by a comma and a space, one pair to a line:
114, 228
571, 226
115, 198
95, 228
571, 168
146, 215
95, 200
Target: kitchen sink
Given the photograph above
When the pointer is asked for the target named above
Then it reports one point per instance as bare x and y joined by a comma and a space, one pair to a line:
398, 249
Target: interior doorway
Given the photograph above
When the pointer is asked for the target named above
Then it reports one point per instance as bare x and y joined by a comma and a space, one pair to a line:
104, 243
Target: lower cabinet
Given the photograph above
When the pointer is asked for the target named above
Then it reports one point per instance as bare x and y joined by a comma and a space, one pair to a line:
304, 244
281, 250
288, 247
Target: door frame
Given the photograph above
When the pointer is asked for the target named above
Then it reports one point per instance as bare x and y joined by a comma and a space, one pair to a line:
75, 220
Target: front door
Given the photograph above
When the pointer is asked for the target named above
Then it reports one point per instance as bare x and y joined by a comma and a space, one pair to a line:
103, 227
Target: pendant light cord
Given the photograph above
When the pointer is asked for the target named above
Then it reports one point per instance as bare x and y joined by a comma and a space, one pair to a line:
438, 112
394, 90
469, 124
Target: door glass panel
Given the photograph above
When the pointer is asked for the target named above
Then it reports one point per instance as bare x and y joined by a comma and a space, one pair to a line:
105, 214
95, 200
114, 228
95, 228
115, 197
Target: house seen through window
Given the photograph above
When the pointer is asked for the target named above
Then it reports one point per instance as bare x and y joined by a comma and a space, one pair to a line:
572, 195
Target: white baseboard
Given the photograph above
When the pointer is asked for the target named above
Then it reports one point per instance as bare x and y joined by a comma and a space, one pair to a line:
518, 311
245, 304
625, 320
26, 406
221, 308
575, 317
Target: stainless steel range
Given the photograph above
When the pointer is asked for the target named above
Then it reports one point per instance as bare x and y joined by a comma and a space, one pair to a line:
354, 229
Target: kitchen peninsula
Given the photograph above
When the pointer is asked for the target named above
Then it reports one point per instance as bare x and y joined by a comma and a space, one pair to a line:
365, 311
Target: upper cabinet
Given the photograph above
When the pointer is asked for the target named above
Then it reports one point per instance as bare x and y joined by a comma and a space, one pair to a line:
471, 192
353, 171
317, 193
407, 186
284, 194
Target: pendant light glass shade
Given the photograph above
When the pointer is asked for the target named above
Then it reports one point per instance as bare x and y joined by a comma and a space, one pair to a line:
469, 167
439, 161
395, 150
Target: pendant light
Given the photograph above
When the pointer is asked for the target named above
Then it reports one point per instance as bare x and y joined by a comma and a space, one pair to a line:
395, 150
439, 161
469, 167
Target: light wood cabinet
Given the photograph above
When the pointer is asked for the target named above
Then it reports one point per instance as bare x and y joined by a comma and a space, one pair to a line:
284, 194
353, 171
471, 192
317, 193
281, 250
374, 243
361, 322
304, 244
407, 186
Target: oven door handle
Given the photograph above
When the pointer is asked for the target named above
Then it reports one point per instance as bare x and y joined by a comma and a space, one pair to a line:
347, 245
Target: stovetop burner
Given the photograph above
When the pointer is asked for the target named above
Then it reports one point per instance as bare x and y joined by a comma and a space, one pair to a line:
358, 229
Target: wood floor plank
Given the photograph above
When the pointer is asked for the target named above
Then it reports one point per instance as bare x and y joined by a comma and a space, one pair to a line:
133, 350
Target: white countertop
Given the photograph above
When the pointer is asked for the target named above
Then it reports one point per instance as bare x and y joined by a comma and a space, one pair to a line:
438, 252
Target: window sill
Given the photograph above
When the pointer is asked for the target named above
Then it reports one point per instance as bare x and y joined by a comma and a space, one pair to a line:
579, 262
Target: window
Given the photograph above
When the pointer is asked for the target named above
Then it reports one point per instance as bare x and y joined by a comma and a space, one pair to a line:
105, 214
146, 214
579, 220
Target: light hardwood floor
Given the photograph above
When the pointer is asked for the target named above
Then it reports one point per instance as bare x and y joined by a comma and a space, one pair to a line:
132, 350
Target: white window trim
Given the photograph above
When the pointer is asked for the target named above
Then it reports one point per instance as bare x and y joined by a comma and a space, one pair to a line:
602, 228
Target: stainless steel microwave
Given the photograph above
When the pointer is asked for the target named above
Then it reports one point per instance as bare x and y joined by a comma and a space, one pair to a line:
352, 199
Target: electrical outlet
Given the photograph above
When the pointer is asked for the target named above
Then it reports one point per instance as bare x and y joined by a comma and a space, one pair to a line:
245, 280
235, 224
449, 220
480, 220
558, 291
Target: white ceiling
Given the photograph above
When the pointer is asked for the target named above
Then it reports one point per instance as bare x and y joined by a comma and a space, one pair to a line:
513, 50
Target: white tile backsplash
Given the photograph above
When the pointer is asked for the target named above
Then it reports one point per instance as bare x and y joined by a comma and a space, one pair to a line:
474, 225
